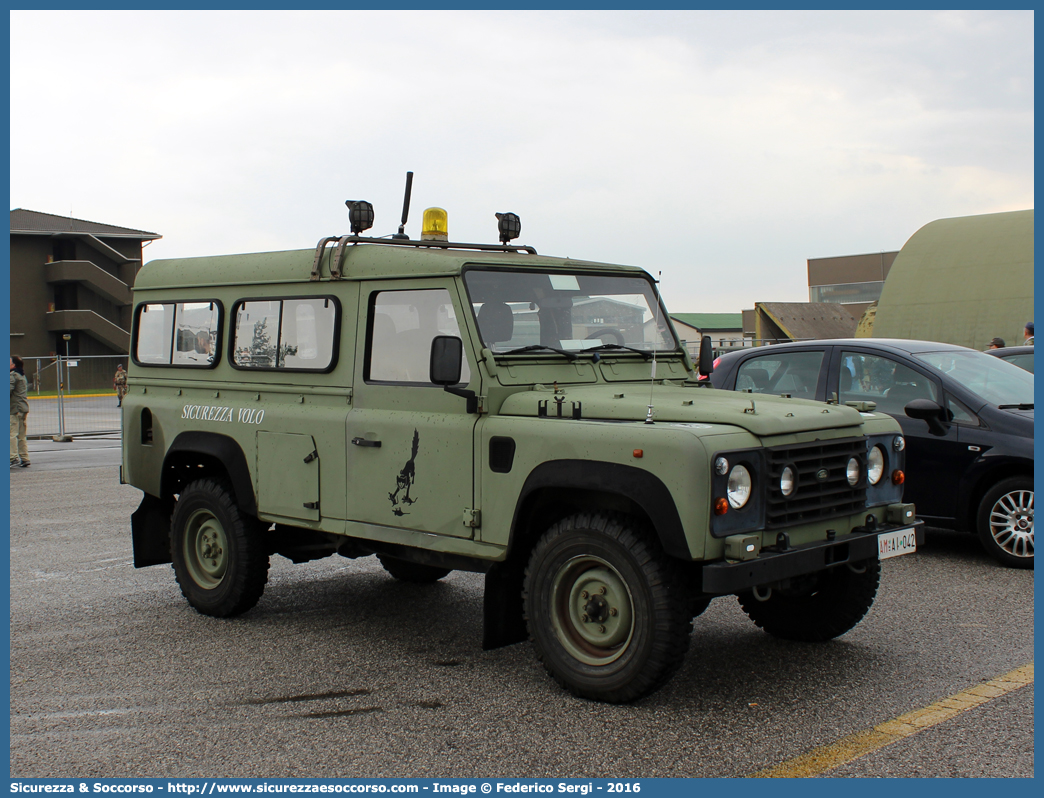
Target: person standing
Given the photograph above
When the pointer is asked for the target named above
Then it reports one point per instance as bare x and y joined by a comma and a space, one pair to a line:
119, 383
1027, 334
996, 343
19, 410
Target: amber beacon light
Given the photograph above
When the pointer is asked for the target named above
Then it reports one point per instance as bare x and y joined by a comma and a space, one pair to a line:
434, 225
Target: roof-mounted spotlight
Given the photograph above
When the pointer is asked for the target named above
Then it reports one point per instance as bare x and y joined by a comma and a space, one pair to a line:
360, 214
509, 225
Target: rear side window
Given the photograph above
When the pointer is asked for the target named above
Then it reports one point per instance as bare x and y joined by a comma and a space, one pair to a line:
794, 373
292, 333
178, 334
1022, 361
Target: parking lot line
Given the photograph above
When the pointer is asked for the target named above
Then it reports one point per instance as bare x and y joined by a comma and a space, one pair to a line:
848, 749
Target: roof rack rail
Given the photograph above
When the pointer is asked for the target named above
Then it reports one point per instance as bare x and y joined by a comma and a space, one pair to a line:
343, 241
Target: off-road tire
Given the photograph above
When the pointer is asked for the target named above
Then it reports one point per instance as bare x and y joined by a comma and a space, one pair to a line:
407, 571
1004, 522
835, 602
219, 553
607, 569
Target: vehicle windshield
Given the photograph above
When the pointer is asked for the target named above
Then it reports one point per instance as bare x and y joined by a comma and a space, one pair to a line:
990, 378
573, 312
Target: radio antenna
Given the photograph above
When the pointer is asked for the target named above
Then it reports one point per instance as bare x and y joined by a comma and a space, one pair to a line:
656, 332
405, 207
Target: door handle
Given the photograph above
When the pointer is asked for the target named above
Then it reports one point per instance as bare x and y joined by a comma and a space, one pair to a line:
364, 442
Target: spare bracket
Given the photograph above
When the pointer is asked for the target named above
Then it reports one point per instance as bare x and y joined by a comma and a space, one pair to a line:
542, 409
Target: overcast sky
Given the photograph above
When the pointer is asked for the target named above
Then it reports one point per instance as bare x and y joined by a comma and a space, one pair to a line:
722, 149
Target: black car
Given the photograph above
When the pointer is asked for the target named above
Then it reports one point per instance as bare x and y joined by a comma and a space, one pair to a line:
967, 419
1021, 356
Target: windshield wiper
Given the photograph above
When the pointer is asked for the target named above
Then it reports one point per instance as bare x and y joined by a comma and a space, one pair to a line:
645, 355
1021, 406
536, 347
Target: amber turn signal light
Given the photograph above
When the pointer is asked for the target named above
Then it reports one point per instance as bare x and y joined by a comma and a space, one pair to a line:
638, 453
721, 506
898, 477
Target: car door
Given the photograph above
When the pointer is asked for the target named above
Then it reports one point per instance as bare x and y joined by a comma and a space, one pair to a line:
409, 443
934, 463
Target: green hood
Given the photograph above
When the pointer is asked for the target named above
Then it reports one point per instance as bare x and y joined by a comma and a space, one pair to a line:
772, 415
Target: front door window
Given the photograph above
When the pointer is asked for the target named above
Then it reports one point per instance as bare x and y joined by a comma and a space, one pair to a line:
403, 324
891, 385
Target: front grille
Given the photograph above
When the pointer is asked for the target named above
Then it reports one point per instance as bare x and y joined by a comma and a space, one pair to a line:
815, 498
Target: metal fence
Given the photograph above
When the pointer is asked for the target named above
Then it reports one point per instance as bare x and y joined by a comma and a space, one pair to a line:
75, 395
723, 346
72, 396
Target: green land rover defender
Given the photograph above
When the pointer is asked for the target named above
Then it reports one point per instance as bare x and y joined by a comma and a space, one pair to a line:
474, 407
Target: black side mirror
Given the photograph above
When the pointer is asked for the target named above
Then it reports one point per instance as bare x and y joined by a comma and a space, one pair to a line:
447, 353
444, 365
706, 356
927, 410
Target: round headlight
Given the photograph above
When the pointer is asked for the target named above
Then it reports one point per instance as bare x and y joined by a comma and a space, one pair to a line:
875, 464
788, 481
721, 465
852, 471
738, 489
899, 443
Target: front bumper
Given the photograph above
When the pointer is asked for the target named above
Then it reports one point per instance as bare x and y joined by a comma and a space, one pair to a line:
723, 578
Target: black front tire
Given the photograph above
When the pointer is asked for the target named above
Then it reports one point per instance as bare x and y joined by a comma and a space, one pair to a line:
605, 608
826, 607
1005, 522
219, 553
407, 571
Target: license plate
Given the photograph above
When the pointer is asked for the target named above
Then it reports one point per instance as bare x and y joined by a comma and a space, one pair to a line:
896, 543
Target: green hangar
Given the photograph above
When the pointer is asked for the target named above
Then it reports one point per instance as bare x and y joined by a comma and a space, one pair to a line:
962, 281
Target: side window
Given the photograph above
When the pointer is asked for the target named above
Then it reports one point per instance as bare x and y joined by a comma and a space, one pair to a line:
155, 326
878, 379
195, 329
179, 334
255, 339
402, 326
1022, 361
794, 373
293, 333
960, 413
307, 333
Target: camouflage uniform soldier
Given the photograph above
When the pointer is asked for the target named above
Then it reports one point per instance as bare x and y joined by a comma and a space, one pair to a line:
19, 410
119, 383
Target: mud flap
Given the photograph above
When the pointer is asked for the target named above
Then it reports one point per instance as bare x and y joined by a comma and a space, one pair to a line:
503, 622
150, 531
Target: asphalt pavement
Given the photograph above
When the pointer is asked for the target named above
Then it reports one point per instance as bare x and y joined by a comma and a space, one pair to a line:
342, 671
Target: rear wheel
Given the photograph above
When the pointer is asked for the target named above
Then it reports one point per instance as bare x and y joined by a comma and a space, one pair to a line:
1005, 522
604, 609
819, 608
407, 571
219, 553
